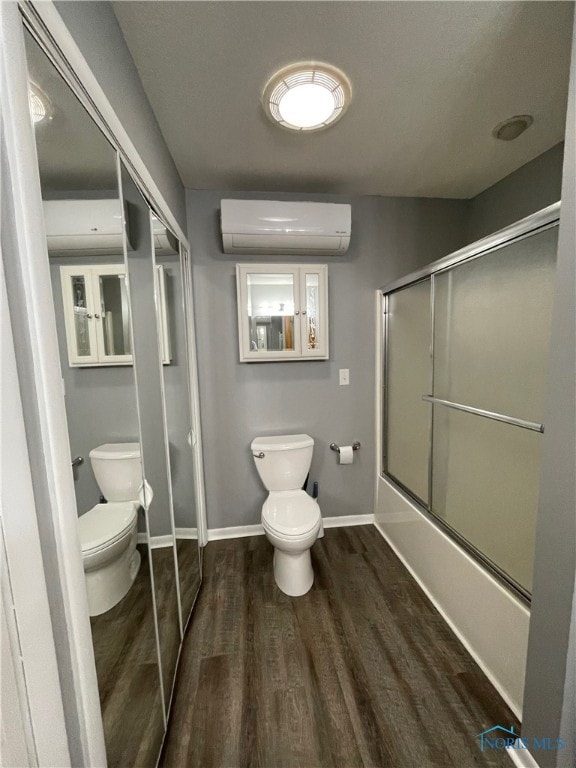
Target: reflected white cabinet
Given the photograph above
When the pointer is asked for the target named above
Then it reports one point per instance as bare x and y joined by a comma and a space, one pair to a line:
282, 312
97, 314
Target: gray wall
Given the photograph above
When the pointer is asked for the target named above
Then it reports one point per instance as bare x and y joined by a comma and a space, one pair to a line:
551, 670
531, 188
95, 30
390, 237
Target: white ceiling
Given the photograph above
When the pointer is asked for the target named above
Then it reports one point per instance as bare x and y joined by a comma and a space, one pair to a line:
430, 81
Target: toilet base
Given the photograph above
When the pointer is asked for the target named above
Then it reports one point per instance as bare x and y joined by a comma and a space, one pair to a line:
293, 572
107, 585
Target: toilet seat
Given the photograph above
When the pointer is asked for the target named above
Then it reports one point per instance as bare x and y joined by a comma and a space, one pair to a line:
290, 514
105, 524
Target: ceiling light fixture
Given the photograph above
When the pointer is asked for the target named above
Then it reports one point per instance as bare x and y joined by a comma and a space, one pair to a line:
307, 96
510, 129
40, 107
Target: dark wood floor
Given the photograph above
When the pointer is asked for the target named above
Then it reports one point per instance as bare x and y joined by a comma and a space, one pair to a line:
361, 671
126, 657
167, 613
189, 574
128, 681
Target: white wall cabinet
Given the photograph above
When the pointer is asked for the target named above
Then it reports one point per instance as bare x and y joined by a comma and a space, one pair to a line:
97, 314
282, 312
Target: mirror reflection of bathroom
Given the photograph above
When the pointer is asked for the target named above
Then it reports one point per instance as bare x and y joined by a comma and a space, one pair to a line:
78, 174
169, 265
271, 303
148, 364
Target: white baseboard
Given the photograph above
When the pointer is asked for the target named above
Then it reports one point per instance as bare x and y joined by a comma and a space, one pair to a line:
235, 532
159, 542
240, 531
346, 520
522, 758
156, 542
186, 533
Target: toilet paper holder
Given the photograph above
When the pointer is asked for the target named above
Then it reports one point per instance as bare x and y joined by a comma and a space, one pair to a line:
355, 446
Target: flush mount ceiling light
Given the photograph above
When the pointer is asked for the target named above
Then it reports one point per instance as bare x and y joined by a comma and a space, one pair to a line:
307, 96
510, 129
40, 106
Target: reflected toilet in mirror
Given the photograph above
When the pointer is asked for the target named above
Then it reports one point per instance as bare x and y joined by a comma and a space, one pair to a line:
108, 531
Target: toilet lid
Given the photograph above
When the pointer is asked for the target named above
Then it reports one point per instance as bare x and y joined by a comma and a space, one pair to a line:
106, 523
115, 451
281, 443
292, 513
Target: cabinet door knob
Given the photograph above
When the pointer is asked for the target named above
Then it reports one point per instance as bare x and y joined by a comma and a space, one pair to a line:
303, 311
89, 316
296, 312
97, 316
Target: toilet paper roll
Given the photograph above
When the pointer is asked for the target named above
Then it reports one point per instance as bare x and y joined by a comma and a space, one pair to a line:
346, 454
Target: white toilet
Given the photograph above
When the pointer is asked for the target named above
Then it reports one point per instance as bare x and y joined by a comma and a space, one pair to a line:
108, 531
290, 517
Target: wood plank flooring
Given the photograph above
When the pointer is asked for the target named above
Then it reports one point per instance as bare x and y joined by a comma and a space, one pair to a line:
128, 682
361, 671
189, 574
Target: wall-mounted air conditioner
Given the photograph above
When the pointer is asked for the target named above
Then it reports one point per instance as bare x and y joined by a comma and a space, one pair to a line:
84, 227
164, 241
267, 227
94, 228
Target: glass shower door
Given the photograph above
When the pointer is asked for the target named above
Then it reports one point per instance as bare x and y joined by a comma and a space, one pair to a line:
465, 379
492, 320
409, 372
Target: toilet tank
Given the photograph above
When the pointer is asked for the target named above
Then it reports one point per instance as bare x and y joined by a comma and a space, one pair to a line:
285, 462
118, 470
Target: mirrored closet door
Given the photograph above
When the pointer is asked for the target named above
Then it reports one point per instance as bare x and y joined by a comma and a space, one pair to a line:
121, 319
157, 491
79, 170
170, 266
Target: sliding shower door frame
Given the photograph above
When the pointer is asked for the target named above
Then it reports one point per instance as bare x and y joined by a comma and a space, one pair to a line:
531, 225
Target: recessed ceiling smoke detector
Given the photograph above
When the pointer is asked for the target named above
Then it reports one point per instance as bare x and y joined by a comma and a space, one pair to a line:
40, 106
307, 96
510, 129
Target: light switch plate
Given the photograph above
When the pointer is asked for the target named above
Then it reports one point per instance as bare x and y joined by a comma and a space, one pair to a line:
344, 377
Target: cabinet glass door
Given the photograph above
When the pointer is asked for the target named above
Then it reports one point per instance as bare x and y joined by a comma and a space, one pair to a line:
313, 324
114, 316
271, 303
76, 290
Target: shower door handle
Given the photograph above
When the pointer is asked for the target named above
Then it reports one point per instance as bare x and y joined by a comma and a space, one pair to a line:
532, 425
